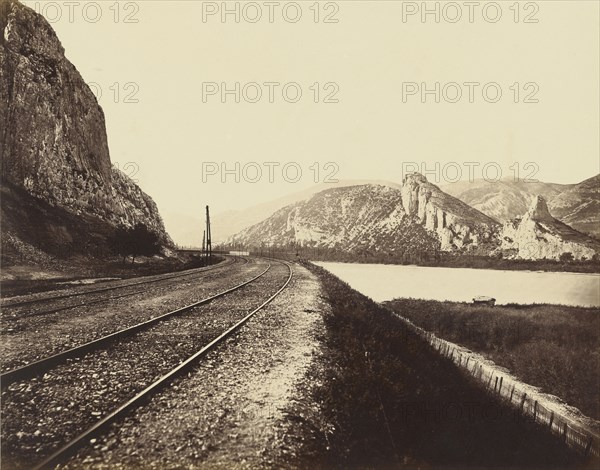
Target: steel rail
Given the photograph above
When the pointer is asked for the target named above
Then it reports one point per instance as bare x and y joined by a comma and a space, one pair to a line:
68, 449
203, 274
68, 307
105, 289
43, 365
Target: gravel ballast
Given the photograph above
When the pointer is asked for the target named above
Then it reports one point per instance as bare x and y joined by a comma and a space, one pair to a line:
41, 414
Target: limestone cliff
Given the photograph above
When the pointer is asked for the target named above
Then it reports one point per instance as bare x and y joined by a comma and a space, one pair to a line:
539, 235
416, 217
53, 136
457, 225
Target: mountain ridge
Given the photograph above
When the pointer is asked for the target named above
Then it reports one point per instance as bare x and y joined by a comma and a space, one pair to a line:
376, 217
420, 217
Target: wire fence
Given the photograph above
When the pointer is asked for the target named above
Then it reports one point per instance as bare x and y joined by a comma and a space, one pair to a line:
517, 394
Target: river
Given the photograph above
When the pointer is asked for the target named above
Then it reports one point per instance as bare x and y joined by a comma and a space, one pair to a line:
385, 282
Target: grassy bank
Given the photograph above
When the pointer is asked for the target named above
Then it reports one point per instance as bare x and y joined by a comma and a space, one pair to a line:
394, 402
431, 259
553, 347
451, 260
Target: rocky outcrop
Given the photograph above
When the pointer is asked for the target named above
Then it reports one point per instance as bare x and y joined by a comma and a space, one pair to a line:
538, 235
457, 225
54, 142
505, 199
416, 217
365, 218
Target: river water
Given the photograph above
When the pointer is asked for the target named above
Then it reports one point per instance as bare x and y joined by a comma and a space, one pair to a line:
386, 282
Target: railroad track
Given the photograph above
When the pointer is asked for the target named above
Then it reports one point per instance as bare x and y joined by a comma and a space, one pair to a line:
203, 272
39, 367
63, 452
19, 314
11, 305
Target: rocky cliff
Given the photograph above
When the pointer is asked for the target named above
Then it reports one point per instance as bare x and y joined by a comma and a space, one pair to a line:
456, 224
365, 218
539, 235
53, 136
417, 217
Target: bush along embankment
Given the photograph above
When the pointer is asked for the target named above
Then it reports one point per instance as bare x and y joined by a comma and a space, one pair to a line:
390, 400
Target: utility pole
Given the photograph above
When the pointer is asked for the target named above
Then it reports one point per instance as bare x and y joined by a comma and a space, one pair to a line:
208, 236
204, 244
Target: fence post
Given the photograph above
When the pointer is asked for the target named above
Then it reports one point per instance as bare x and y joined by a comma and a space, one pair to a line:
512, 392
495, 384
467, 365
535, 410
523, 401
565, 432
490, 380
589, 446
500, 386
551, 420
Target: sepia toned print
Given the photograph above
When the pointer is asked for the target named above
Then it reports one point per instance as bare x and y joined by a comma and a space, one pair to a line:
299, 234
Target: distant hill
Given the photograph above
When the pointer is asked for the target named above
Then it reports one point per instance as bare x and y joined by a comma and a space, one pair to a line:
226, 224
579, 206
539, 235
505, 199
417, 216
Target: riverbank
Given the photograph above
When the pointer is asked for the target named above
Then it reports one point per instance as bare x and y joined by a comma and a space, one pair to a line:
386, 394
553, 347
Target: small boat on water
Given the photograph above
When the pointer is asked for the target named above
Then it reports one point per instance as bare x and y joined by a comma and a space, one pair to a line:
484, 300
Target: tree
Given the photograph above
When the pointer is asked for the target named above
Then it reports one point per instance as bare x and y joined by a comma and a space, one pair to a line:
566, 257
134, 241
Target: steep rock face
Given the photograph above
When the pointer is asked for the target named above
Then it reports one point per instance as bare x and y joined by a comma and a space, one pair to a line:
579, 206
54, 142
539, 235
416, 217
457, 225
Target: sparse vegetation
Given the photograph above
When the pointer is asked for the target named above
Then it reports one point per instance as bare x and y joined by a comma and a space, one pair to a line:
553, 347
134, 241
453, 260
387, 393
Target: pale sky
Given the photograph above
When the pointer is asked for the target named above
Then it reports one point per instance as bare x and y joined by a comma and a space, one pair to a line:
371, 55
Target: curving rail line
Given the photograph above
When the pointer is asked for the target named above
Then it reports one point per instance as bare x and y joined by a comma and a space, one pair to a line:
205, 273
110, 288
68, 449
43, 365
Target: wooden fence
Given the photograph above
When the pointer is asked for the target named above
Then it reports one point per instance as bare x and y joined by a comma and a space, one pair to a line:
521, 396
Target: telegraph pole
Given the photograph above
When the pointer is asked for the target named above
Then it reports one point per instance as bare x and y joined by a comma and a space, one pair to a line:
208, 237
204, 244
